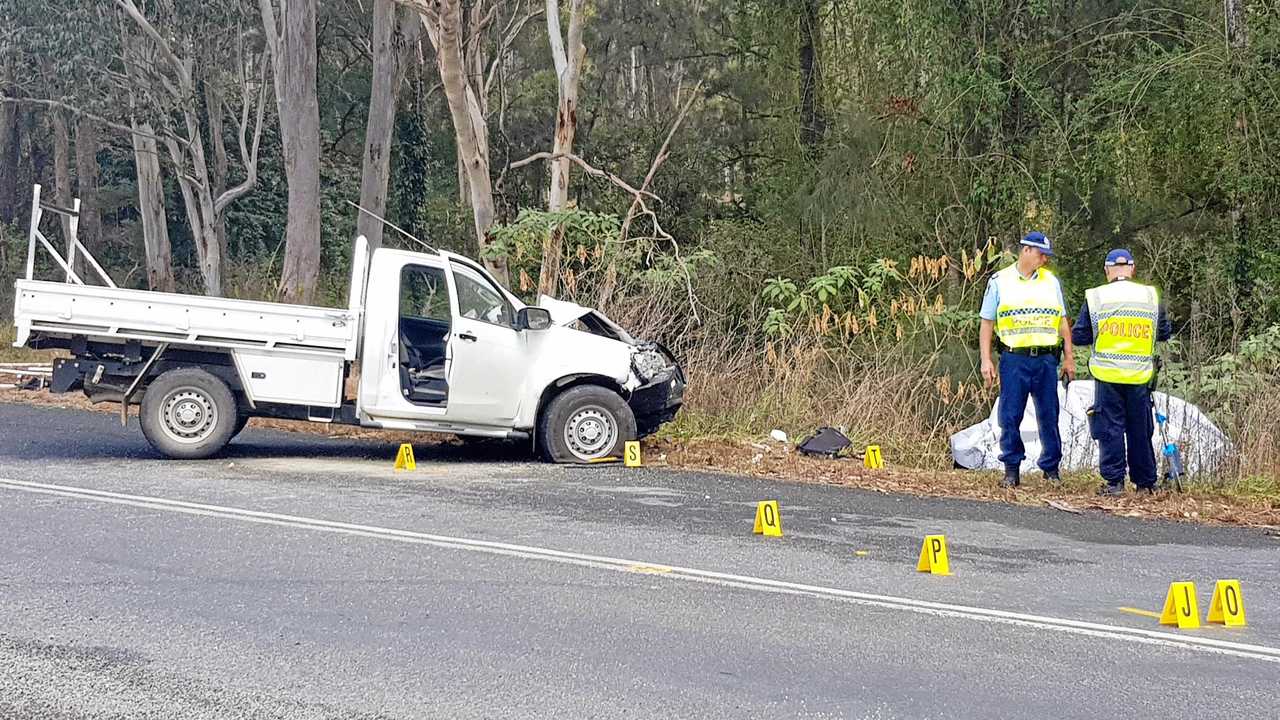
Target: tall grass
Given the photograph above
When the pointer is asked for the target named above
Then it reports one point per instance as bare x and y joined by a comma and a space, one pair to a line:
907, 405
1256, 432
11, 354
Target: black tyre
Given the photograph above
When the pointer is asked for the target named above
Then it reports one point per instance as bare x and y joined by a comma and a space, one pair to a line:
188, 414
585, 423
241, 420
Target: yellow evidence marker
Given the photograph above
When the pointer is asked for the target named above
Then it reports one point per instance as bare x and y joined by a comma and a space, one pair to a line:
1180, 606
768, 521
404, 458
933, 556
1227, 606
631, 453
873, 459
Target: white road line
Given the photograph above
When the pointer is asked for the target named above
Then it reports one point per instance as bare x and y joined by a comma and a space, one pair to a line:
1040, 622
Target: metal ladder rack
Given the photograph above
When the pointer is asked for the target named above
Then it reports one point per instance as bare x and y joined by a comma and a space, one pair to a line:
74, 246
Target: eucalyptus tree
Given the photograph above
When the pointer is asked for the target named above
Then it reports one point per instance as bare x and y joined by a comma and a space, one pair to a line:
191, 65
289, 28
392, 44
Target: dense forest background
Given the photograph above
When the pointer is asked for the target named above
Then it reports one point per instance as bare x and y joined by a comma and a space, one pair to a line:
803, 198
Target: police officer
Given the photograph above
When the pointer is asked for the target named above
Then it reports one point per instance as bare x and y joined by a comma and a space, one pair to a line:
1123, 320
1023, 304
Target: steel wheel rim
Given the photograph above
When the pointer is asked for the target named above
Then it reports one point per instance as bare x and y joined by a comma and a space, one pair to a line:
188, 415
590, 433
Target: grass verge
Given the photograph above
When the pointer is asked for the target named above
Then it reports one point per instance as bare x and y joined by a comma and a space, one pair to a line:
11, 354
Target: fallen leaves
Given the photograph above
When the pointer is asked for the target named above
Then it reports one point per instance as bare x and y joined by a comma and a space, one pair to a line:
1203, 506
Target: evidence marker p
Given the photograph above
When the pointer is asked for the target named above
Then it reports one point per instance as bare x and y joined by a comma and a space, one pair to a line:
933, 556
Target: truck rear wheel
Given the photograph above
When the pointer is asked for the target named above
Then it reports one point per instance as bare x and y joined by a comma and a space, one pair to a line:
188, 414
585, 423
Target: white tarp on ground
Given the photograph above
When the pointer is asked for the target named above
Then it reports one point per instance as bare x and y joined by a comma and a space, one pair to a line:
1201, 443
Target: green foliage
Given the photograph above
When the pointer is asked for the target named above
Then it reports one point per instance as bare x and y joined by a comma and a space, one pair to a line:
589, 243
1229, 379
848, 306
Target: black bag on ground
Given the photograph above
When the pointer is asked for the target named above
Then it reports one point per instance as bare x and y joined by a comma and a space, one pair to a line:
827, 442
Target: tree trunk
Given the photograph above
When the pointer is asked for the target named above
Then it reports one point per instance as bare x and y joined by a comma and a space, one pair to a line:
568, 58
221, 166
388, 42
473, 64
552, 250
10, 154
193, 180
293, 53
568, 62
90, 227
38, 154
813, 122
469, 127
1237, 36
157, 250
1237, 40
63, 193
155, 225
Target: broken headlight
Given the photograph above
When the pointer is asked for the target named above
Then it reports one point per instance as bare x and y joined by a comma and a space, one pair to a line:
649, 363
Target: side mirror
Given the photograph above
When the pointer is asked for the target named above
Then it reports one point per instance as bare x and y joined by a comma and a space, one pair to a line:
533, 318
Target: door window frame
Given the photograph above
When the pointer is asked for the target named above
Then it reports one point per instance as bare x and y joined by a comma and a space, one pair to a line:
447, 295
474, 275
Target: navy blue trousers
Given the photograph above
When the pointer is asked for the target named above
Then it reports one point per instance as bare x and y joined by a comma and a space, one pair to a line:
1122, 416
1037, 377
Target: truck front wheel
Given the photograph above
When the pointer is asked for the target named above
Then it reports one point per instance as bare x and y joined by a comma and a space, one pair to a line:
585, 423
188, 414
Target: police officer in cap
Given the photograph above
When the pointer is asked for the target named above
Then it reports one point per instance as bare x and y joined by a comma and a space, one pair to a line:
1123, 320
1024, 307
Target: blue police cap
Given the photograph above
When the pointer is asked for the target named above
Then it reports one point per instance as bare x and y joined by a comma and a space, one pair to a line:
1038, 241
1119, 256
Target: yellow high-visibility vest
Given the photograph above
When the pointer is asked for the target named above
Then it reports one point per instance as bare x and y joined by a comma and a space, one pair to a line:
1123, 314
1030, 310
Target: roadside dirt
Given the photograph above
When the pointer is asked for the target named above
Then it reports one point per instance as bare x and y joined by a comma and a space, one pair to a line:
1076, 496
770, 459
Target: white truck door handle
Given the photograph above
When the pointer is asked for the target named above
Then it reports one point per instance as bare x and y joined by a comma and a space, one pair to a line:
466, 336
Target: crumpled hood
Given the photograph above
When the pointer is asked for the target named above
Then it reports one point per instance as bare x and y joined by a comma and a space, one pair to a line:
562, 312
566, 313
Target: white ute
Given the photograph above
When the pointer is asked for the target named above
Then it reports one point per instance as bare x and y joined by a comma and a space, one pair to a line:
437, 346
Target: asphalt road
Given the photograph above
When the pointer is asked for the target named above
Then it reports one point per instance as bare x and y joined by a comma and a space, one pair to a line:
300, 577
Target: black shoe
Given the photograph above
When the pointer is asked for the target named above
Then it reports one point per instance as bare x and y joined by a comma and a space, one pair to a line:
1146, 490
1111, 490
1053, 478
1010, 478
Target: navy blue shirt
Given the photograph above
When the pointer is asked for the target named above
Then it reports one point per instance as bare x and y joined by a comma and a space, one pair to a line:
1082, 333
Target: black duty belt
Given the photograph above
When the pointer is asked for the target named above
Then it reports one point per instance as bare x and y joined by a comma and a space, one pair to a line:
1036, 351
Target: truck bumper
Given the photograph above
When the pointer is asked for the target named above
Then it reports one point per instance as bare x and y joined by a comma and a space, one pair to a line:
657, 402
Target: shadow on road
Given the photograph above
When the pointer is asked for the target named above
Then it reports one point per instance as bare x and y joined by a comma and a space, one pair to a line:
283, 445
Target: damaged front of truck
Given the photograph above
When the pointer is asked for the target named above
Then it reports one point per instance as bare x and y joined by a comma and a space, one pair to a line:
654, 384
